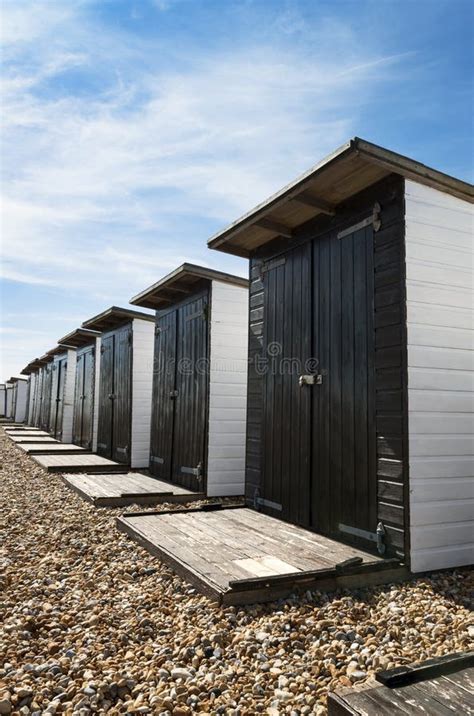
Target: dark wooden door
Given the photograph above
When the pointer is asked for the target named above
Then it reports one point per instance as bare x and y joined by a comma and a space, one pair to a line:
163, 401
106, 392
192, 371
38, 393
57, 402
285, 486
319, 442
122, 404
46, 399
344, 489
84, 398
78, 392
88, 384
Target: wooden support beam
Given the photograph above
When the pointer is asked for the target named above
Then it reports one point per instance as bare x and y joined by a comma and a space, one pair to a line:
309, 200
275, 226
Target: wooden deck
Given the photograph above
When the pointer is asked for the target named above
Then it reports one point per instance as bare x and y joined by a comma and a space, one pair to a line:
38, 448
438, 687
27, 433
38, 439
131, 488
78, 462
239, 556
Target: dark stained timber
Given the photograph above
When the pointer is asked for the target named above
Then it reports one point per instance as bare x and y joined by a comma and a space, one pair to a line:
340, 302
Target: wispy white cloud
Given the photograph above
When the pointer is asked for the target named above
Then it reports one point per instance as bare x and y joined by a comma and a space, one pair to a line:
125, 153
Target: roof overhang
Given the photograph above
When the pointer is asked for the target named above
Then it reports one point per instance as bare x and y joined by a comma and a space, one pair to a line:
58, 350
321, 190
33, 366
181, 283
14, 379
114, 317
79, 338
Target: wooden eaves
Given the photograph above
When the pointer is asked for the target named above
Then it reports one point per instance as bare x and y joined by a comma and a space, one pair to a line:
325, 187
79, 337
180, 283
114, 317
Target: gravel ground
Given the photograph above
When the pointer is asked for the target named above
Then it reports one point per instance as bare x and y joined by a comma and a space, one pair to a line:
90, 623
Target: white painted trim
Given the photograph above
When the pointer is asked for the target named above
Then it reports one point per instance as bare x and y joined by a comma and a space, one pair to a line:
95, 409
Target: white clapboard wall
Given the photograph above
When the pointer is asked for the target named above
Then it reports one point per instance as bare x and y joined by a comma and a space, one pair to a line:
3, 400
21, 388
95, 409
227, 390
142, 379
440, 296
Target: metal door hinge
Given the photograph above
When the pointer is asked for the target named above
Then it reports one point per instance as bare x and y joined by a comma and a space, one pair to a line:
373, 220
378, 536
310, 379
196, 471
158, 330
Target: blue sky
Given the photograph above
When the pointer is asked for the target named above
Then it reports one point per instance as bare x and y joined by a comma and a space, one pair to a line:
135, 129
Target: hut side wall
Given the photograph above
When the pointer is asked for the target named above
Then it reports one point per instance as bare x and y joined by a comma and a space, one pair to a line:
3, 397
95, 419
439, 260
142, 379
20, 406
9, 401
227, 390
390, 353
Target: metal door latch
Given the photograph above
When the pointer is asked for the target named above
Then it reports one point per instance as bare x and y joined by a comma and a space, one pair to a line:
174, 394
314, 379
112, 396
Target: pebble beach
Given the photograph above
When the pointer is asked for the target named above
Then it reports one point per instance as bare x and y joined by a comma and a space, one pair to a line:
90, 623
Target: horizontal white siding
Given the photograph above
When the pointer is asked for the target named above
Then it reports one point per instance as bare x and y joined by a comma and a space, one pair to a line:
3, 398
95, 408
21, 395
142, 378
440, 332
9, 400
227, 390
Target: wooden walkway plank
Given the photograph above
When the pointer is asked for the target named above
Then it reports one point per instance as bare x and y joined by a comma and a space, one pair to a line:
82, 462
28, 439
120, 490
51, 449
240, 558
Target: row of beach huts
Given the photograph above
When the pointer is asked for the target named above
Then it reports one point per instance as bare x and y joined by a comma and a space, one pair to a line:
332, 391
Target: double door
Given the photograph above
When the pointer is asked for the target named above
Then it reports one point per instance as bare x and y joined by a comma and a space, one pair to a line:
180, 394
319, 441
115, 395
58, 386
45, 409
84, 398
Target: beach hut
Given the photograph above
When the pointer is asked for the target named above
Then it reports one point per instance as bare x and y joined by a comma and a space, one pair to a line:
3, 400
360, 420
32, 370
85, 416
9, 400
19, 388
200, 379
62, 367
125, 382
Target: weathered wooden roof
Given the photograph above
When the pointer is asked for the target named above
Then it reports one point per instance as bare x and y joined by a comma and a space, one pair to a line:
114, 317
33, 366
181, 282
347, 171
57, 350
14, 379
79, 337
